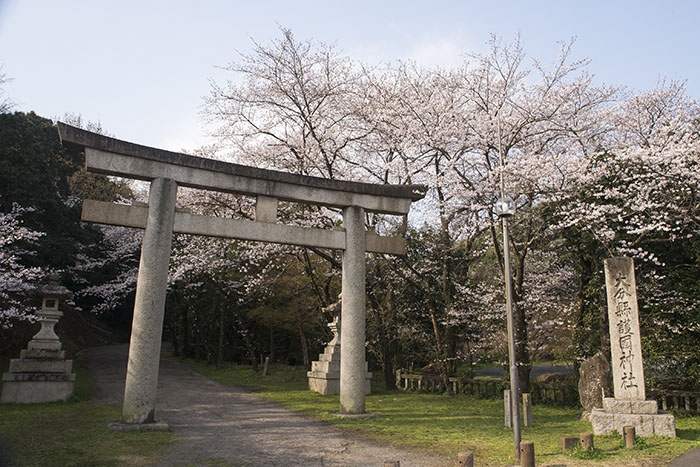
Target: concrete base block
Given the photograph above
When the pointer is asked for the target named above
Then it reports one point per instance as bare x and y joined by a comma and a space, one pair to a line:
42, 353
40, 365
133, 427
324, 384
324, 377
44, 344
567, 443
662, 424
34, 388
329, 383
612, 405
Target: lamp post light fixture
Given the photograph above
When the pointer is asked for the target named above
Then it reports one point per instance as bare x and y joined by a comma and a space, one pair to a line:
504, 207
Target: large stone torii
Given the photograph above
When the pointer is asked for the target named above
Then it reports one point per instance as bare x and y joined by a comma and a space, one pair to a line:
166, 171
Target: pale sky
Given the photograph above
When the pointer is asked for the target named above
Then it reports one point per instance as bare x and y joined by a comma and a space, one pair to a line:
141, 68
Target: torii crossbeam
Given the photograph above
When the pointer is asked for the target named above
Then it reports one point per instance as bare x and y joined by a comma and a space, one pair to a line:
166, 171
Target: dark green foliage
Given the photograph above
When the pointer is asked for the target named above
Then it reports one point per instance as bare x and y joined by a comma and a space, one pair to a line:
38, 174
34, 173
211, 316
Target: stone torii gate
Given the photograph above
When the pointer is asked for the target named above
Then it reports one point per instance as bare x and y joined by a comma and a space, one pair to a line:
166, 171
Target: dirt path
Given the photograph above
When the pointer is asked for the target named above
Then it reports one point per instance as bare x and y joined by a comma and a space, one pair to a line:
217, 424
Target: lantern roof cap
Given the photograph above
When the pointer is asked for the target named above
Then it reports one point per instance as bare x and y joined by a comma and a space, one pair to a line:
53, 288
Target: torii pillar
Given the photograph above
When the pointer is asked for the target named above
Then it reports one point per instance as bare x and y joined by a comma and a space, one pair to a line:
149, 307
353, 370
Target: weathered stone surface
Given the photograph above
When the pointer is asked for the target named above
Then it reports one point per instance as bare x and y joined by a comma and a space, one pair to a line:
147, 327
42, 374
135, 216
43, 365
595, 376
507, 409
266, 209
665, 424
120, 158
611, 405
324, 377
625, 340
325, 367
329, 383
629, 407
33, 388
43, 353
36, 377
662, 424
353, 366
568, 442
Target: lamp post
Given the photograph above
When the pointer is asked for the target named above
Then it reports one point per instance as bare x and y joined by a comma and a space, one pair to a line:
505, 208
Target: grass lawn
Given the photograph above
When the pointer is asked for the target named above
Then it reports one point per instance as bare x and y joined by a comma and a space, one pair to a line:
447, 425
73, 433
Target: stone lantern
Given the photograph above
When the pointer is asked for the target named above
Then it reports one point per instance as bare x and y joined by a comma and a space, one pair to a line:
324, 377
51, 294
42, 373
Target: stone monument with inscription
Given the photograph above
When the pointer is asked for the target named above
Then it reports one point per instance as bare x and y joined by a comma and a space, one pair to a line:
324, 377
630, 405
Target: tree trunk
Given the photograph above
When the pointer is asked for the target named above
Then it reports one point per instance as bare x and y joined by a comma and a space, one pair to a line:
220, 349
251, 353
388, 364
522, 356
304, 346
387, 347
442, 358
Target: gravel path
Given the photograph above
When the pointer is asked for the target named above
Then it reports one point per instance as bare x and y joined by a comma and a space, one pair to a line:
222, 425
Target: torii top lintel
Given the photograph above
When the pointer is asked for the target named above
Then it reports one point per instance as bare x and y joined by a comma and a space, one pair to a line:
120, 158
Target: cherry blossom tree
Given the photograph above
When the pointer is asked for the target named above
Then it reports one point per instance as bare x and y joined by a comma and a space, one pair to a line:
417, 119
542, 122
638, 199
294, 109
593, 171
16, 279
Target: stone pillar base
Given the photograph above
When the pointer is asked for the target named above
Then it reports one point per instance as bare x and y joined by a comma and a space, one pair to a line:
662, 423
324, 377
612, 405
329, 383
34, 388
39, 375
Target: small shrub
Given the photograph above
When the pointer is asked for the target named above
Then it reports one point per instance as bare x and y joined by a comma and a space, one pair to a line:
612, 435
592, 454
640, 444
